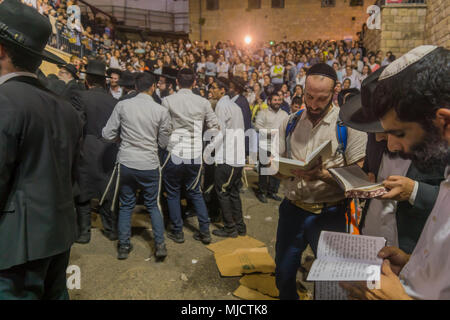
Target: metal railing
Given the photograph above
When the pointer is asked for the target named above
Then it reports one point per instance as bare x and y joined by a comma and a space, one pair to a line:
73, 42
149, 19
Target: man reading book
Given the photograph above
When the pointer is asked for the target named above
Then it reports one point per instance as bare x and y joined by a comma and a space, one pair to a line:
400, 214
313, 199
412, 102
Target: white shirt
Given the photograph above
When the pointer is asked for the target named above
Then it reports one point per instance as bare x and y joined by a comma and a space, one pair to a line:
116, 94
304, 139
232, 149
144, 125
427, 274
222, 69
189, 112
380, 219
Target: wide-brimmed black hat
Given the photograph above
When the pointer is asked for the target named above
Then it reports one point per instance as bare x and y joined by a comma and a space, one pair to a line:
25, 28
110, 71
169, 73
71, 69
96, 68
239, 82
127, 80
357, 113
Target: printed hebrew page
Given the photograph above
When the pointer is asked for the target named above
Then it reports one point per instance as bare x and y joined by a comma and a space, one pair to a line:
328, 270
346, 257
348, 247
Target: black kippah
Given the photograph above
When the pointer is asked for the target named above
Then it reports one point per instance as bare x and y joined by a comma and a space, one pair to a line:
322, 69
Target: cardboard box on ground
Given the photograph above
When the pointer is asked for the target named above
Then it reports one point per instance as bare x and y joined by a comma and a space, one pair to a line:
248, 257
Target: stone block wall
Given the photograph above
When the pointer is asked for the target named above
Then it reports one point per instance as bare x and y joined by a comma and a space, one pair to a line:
299, 20
402, 27
437, 19
372, 40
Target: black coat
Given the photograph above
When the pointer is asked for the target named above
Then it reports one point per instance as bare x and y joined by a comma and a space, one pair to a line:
242, 102
97, 156
71, 87
39, 145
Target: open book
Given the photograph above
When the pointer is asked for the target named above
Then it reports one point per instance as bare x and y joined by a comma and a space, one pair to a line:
344, 257
356, 183
285, 165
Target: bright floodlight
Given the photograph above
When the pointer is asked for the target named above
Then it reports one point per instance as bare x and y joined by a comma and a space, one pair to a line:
248, 39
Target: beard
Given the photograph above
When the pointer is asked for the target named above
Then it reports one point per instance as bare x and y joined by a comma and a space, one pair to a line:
432, 154
315, 117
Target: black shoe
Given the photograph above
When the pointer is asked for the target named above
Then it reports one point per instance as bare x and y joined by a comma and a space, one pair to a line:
124, 251
261, 197
178, 237
274, 196
242, 233
215, 219
112, 236
223, 233
205, 238
161, 251
84, 238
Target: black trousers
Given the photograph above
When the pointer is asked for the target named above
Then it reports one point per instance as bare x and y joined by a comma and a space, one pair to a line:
109, 218
267, 184
209, 193
35, 280
227, 183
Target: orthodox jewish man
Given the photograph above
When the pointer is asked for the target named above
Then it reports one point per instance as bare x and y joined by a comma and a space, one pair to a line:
39, 138
98, 157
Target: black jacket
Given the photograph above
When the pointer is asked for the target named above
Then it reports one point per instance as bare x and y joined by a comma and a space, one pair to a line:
242, 102
71, 87
97, 156
39, 145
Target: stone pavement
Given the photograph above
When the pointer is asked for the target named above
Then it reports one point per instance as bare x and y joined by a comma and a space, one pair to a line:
177, 278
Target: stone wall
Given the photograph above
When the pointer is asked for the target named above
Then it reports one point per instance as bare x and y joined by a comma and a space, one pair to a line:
402, 27
372, 40
437, 29
299, 20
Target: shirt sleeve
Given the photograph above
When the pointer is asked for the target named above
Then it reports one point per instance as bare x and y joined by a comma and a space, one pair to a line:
412, 197
111, 131
223, 117
165, 130
259, 121
210, 117
356, 146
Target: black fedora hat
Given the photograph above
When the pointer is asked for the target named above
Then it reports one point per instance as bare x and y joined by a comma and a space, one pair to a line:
71, 69
357, 113
127, 80
110, 71
96, 68
25, 28
239, 82
169, 73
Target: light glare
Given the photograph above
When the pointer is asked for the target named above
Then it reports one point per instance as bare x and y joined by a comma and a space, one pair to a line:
248, 39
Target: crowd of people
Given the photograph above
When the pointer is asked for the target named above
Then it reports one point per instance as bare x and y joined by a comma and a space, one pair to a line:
185, 118
73, 31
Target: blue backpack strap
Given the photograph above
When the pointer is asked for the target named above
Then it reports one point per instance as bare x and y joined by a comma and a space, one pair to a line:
342, 135
292, 123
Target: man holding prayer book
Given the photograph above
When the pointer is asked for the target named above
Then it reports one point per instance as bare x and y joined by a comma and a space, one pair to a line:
412, 100
313, 199
398, 215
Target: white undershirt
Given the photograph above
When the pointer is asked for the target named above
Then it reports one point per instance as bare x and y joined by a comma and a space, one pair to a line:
380, 219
